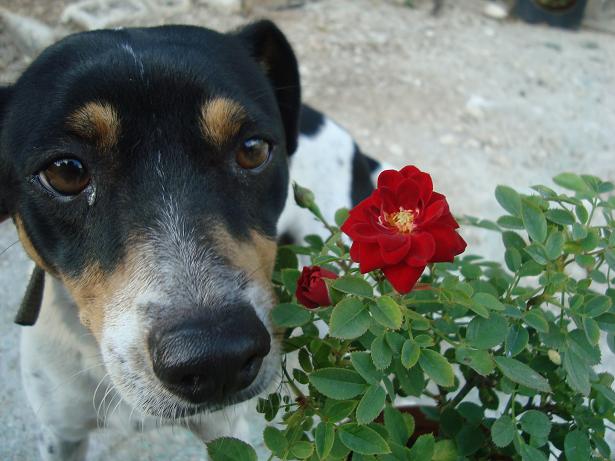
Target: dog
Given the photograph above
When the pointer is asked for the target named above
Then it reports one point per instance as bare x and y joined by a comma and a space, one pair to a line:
147, 172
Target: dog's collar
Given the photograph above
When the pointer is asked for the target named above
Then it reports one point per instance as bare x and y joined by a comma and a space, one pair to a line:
31, 303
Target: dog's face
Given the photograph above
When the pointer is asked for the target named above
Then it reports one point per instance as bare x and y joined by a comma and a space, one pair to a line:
146, 169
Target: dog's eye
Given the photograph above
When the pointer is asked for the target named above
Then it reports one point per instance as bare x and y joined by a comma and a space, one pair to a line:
253, 153
65, 177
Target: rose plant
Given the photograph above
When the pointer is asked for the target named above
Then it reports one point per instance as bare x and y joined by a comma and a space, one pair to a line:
502, 358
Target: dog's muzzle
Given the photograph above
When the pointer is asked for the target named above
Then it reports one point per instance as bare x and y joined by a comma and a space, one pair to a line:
208, 357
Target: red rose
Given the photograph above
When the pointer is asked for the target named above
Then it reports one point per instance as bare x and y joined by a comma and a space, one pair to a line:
311, 289
403, 226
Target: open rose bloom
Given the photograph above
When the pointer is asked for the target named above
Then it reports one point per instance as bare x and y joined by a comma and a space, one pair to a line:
401, 227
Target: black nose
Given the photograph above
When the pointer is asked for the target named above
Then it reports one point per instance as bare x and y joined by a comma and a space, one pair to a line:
207, 359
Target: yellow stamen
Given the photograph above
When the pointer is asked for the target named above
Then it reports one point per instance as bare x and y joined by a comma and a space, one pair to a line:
402, 220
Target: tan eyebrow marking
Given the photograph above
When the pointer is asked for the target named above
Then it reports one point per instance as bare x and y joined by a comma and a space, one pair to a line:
221, 119
98, 122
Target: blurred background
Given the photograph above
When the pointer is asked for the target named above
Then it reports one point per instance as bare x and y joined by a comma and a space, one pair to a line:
467, 90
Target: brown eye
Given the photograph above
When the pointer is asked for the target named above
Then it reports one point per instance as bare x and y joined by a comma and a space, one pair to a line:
254, 153
65, 177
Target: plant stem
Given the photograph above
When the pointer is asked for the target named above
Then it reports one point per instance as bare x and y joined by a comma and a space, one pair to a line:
292, 385
463, 392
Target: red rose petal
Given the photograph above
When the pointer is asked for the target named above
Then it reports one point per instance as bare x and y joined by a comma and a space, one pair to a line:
407, 195
409, 171
448, 244
433, 211
389, 178
402, 277
423, 249
369, 257
394, 248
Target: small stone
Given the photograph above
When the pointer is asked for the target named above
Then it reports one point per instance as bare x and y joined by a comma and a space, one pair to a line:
476, 105
495, 10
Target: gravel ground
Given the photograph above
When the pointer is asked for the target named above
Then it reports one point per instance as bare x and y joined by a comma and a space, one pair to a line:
474, 101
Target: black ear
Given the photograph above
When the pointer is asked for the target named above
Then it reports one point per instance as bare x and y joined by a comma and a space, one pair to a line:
269, 47
5, 94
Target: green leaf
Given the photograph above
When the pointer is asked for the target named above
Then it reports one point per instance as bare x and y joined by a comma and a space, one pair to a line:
536, 319
395, 425
469, 440
289, 279
349, 319
444, 450
534, 221
577, 446
561, 217
508, 199
362, 439
423, 448
513, 259
522, 374
410, 353
606, 322
371, 404
530, 453
324, 436
275, 440
503, 431
479, 361
592, 330
357, 286
437, 368
381, 353
571, 181
302, 449
337, 383
341, 216
362, 362
597, 305
230, 449
536, 423
554, 245
487, 333
337, 410
537, 253
489, 301
510, 222
606, 392
386, 312
290, 315
577, 372
516, 340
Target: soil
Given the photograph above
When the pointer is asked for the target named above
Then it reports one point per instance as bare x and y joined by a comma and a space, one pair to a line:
474, 101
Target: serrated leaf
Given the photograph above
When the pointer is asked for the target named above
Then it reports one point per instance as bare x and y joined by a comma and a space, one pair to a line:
230, 449
337, 383
371, 404
503, 431
444, 450
386, 312
488, 300
513, 260
571, 181
537, 253
516, 340
437, 368
521, 373
275, 440
353, 286
535, 423
597, 305
561, 217
349, 319
577, 446
302, 449
324, 436
537, 321
508, 199
554, 245
487, 333
341, 216
290, 315
395, 425
362, 362
289, 279
592, 330
530, 453
337, 410
479, 361
534, 221
362, 439
423, 448
381, 353
510, 222
577, 372
410, 353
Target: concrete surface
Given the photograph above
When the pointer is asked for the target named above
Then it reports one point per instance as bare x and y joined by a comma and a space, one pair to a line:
474, 101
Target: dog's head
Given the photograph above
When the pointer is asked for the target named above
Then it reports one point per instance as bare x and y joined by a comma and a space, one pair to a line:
146, 169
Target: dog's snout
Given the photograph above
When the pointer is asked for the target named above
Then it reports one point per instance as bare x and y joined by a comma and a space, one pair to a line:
207, 359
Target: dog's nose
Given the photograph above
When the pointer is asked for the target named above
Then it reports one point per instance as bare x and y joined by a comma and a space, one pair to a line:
207, 359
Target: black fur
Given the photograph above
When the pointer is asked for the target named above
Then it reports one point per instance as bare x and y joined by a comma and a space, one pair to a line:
362, 167
311, 121
157, 90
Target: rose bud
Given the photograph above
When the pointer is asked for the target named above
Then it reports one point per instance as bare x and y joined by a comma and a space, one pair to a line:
311, 288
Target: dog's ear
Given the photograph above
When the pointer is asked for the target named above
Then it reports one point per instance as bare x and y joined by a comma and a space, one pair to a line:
269, 47
5, 94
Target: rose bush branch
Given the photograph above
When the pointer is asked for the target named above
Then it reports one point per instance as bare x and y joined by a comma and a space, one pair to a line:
506, 354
